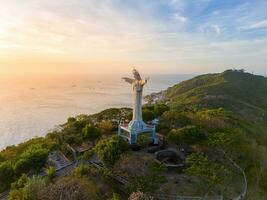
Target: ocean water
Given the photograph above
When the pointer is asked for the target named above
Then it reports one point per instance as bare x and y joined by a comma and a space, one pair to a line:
33, 106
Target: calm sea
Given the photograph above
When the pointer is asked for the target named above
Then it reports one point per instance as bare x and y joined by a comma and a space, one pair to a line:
31, 107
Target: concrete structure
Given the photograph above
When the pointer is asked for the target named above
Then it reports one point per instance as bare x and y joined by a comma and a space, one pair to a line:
136, 127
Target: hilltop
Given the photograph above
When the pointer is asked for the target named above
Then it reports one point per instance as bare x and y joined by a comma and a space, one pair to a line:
230, 100
215, 122
235, 90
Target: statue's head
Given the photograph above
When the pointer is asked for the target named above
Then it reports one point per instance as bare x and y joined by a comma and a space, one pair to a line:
136, 75
137, 82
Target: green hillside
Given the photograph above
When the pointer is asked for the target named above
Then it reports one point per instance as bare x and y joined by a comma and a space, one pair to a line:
238, 91
217, 123
233, 104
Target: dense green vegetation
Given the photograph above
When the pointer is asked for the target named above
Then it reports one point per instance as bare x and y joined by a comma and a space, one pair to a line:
38, 188
215, 119
109, 150
240, 92
27, 157
220, 116
142, 172
31, 157
187, 135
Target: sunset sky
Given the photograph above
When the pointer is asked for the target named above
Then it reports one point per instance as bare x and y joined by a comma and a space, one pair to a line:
111, 36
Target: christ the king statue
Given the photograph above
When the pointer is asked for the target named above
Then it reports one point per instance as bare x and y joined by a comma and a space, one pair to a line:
137, 126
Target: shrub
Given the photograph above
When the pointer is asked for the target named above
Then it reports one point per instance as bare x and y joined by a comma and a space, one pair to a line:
28, 191
142, 172
109, 150
115, 197
143, 140
71, 120
187, 135
160, 108
148, 115
88, 154
20, 183
7, 175
82, 170
69, 188
263, 181
2, 158
22, 166
34, 158
200, 165
91, 133
51, 173
106, 126
140, 196
175, 119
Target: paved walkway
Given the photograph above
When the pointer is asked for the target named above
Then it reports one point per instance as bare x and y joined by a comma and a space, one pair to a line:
4, 195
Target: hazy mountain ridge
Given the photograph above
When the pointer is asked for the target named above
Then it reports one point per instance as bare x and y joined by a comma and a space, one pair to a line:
241, 92
244, 95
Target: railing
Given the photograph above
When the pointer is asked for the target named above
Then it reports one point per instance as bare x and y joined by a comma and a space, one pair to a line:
124, 124
243, 194
245, 187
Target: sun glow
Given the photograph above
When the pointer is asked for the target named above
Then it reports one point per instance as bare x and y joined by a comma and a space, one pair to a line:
97, 36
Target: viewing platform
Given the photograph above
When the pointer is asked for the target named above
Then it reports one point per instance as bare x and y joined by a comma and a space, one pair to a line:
133, 129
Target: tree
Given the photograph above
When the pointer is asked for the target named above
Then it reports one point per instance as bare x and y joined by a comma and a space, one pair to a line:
28, 190
75, 125
115, 196
91, 133
2, 158
34, 158
187, 135
20, 183
7, 175
106, 126
160, 108
143, 140
17, 194
225, 139
22, 166
109, 150
263, 180
148, 115
54, 137
200, 165
142, 172
82, 170
175, 119
88, 154
71, 120
69, 188
140, 196
79, 125
51, 173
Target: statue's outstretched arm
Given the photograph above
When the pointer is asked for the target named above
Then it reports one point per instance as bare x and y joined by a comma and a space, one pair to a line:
128, 80
143, 82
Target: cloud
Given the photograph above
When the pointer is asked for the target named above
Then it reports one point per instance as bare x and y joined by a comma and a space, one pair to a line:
179, 18
216, 28
256, 25
179, 32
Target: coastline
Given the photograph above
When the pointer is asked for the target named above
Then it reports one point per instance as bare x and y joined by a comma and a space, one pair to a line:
32, 113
